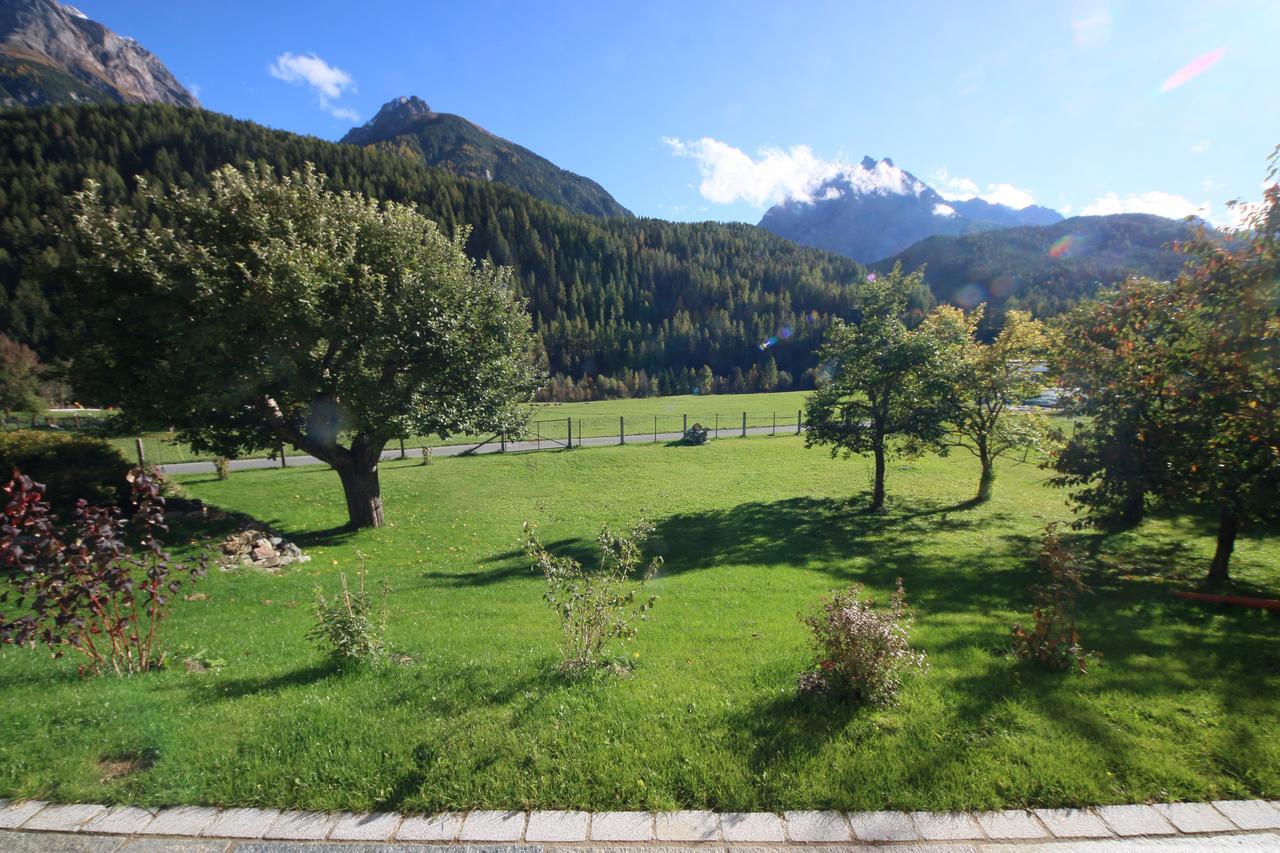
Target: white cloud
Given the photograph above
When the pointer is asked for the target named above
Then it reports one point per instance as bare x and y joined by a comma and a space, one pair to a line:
1158, 203
1201, 146
943, 210
731, 175
327, 81
1009, 196
955, 188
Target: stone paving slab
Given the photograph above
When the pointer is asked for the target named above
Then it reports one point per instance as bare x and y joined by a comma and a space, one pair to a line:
45, 842
492, 826
120, 820
883, 826
622, 826
753, 827
557, 826
182, 820
1250, 814
63, 818
947, 826
811, 827
438, 828
301, 826
1128, 821
1194, 817
378, 826
13, 815
241, 823
686, 826
1011, 825
176, 845
1073, 823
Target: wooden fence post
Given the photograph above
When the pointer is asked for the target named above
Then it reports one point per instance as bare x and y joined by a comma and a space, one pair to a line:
283, 462
655, 429
797, 421
568, 423
142, 457
775, 423
622, 431
502, 437
402, 454
685, 429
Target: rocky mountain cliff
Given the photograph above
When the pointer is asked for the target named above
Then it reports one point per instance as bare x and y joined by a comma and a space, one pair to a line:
876, 209
408, 126
51, 53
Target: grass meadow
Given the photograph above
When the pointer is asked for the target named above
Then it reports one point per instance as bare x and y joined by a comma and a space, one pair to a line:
1183, 705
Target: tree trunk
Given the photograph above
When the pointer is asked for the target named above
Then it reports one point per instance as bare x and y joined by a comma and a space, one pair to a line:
987, 480
1134, 507
1228, 526
363, 492
877, 493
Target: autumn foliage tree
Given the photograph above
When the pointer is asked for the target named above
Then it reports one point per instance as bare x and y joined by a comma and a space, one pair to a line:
271, 309
19, 377
988, 380
1182, 383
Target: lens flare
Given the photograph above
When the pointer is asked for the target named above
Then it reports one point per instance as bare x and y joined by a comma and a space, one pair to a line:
772, 341
1066, 247
785, 333
970, 296
871, 276
1193, 69
1002, 285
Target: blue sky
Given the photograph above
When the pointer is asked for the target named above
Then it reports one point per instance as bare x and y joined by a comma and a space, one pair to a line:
712, 110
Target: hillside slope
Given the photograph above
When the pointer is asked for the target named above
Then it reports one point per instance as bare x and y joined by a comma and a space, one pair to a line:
409, 127
1046, 269
609, 297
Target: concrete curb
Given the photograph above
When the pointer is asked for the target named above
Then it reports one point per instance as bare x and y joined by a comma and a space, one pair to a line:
1258, 819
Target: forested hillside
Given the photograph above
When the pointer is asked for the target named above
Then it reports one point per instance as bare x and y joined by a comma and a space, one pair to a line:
1046, 269
623, 306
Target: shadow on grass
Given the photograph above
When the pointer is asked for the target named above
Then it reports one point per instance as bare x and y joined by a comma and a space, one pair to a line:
237, 688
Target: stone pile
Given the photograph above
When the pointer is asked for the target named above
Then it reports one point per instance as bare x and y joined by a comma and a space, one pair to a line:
259, 547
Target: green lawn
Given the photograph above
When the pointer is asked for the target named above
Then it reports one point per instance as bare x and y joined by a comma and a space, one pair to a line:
1184, 706
549, 421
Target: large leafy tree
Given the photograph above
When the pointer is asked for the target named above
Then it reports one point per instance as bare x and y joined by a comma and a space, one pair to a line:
990, 379
269, 309
1224, 418
886, 387
1112, 357
1182, 380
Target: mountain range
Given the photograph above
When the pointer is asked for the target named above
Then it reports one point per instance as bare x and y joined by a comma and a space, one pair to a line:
875, 209
622, 305
409, 127
51, 53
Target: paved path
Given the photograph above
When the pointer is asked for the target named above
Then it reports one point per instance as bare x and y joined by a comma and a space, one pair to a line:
1224, 825
460, 449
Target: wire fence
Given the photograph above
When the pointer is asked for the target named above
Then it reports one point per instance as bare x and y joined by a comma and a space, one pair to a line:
569, 431
163, 448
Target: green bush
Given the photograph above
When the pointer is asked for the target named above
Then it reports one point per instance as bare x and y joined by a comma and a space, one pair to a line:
70, 466
350, 627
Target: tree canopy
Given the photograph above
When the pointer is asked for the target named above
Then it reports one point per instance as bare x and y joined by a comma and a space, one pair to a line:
273, 309
1181, 383
884, 386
